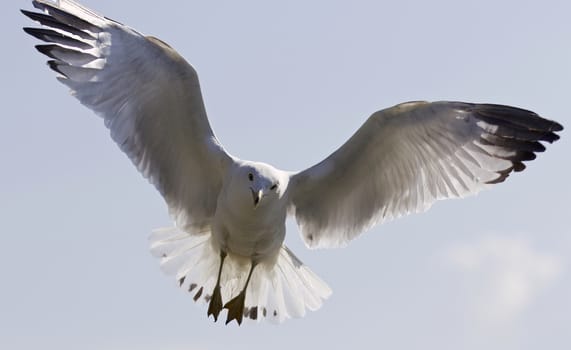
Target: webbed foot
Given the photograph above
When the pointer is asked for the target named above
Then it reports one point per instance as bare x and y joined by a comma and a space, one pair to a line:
236, 308
215, 305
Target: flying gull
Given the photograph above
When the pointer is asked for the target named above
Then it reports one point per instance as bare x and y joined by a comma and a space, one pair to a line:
227, 248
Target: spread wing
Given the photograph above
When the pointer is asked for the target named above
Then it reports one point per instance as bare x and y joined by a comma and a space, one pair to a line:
406, 157
149, 98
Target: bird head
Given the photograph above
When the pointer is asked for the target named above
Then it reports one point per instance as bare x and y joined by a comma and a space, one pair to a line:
258, 185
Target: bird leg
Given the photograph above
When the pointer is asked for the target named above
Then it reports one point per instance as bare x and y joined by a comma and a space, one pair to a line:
236, 305
215, 305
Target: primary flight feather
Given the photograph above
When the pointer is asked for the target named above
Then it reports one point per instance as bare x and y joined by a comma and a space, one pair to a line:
227, 248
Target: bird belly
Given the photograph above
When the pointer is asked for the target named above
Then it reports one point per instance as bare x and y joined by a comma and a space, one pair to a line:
258, 244
256, 240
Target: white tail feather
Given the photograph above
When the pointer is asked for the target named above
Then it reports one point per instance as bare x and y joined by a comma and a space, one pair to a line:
278, 290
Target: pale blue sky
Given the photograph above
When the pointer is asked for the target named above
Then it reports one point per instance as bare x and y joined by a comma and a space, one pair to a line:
287, 83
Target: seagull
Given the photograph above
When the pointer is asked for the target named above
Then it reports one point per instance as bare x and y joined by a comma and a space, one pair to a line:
227, 246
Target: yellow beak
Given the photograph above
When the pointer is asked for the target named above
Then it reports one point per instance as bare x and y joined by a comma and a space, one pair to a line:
257, 196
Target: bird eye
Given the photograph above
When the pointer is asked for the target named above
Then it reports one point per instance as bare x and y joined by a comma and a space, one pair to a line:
274, 186
251, 177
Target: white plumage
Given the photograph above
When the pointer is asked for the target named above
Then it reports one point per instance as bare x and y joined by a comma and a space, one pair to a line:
227, 248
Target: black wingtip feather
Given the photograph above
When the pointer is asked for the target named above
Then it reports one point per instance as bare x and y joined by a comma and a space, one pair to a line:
33, 32
525, 156
502, 176
517, 123
512, 143
519, 166
46, 50
67, 55
514, 117
39, 17
30, 14
52, 36
52, 22
517, 130
553, 138
556, 126
54, 65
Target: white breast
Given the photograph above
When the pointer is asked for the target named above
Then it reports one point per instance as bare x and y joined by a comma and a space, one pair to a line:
241, 229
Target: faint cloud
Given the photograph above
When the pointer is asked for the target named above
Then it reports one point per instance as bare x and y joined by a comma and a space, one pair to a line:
505, 274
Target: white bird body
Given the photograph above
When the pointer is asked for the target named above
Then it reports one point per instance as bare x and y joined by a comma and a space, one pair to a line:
230, 214
255, 231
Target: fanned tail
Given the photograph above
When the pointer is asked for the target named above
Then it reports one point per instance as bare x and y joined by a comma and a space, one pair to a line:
278, 290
